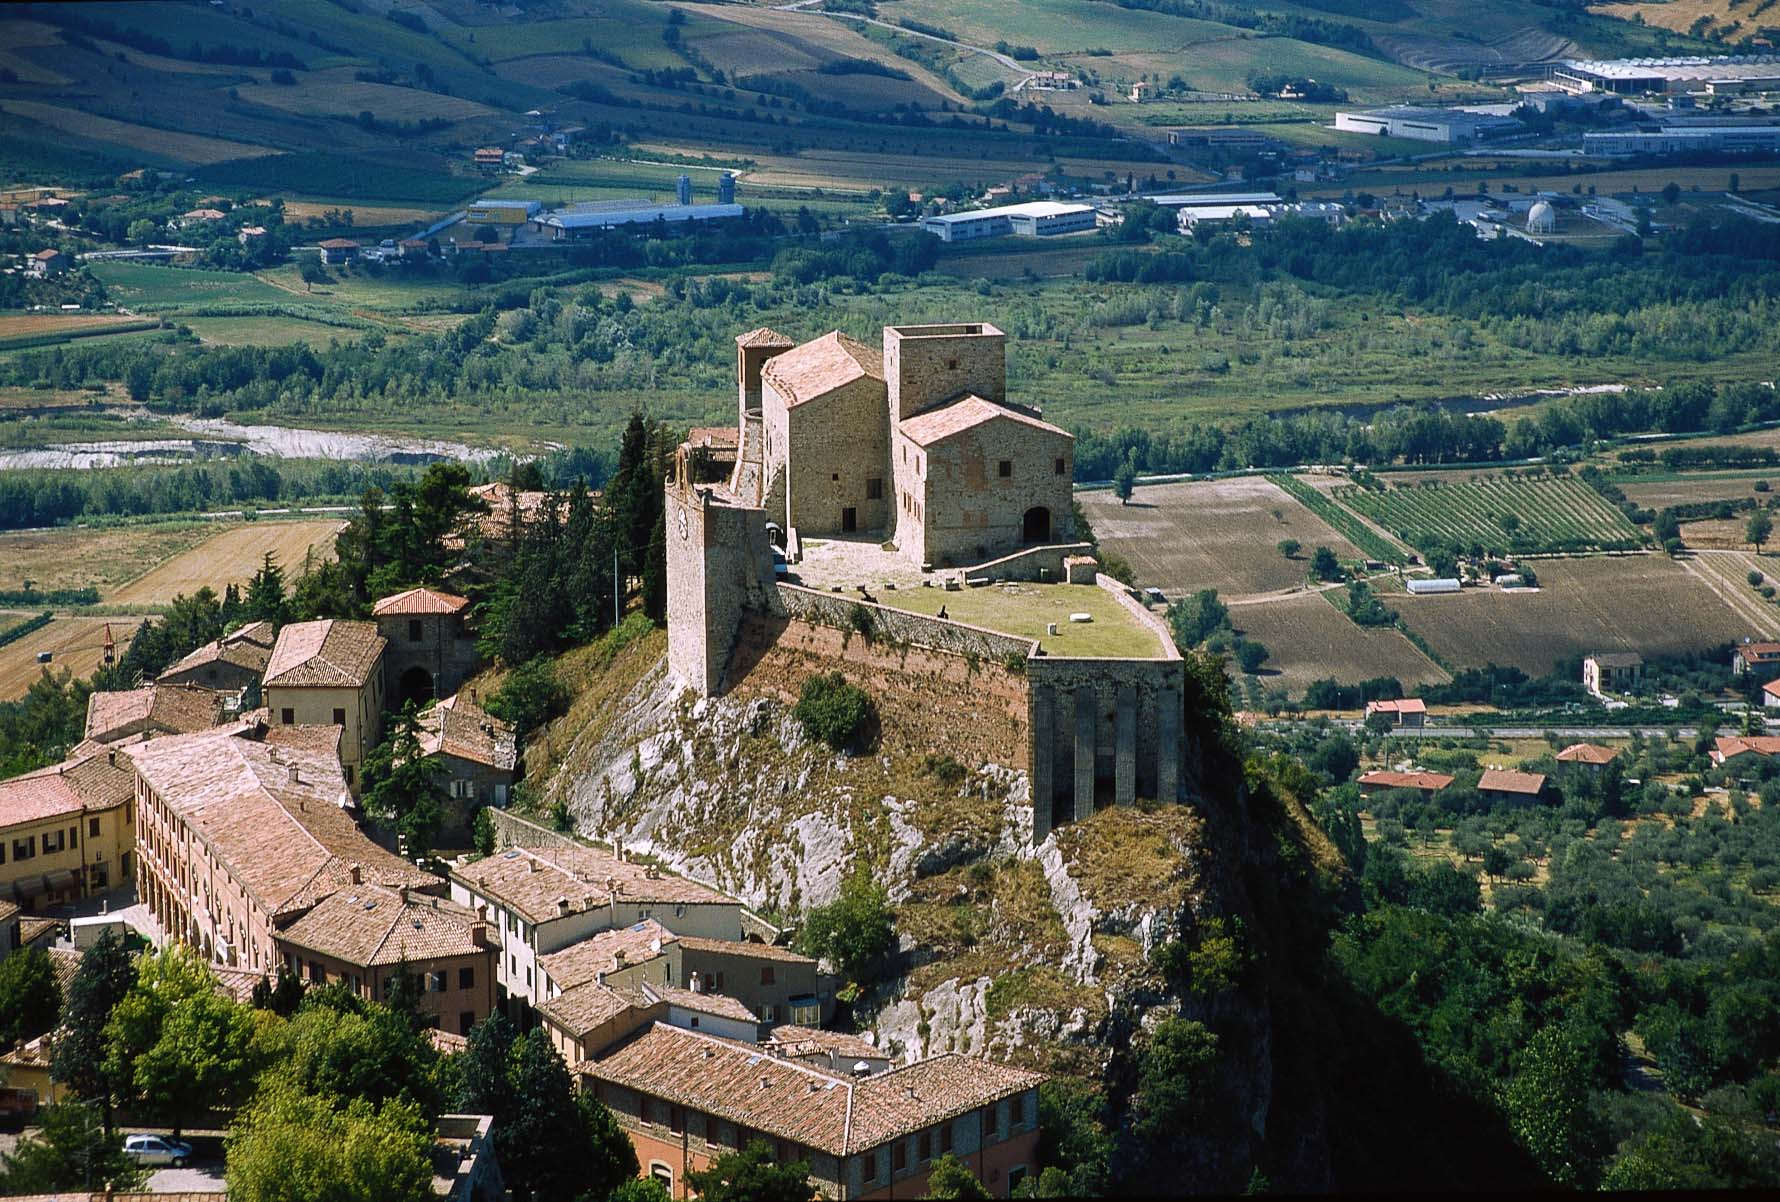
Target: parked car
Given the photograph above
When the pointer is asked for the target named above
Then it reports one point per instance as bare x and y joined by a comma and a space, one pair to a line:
157, 1150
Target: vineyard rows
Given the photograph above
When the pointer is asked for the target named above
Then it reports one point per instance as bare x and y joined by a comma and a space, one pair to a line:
1523, 516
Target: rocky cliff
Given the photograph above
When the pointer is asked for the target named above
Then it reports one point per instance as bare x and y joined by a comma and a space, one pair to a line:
1055, 955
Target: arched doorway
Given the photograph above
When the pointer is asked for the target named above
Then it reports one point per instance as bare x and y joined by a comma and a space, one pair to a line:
1036, 527
416, 685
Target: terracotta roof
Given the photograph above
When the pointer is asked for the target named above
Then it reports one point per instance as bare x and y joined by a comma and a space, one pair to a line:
459, 728
1731, 746
719, 1004
1430, 781
1497, 780
64, 962
287, 842
249, 648
205, 215
1618, 659
820, 366
583, 962
447, 1043
8, 910
165, 708
332, 652
46, 255
317, 740
365, 925
420, 601
827, 1111
236, 984
1407, 705
338, 244
966, 413
93, 782
32, 928
1587, 753
1772, 688
587, 1007
741, 947
1759, 653
719, 438
531, 881
790, 1040
763, 337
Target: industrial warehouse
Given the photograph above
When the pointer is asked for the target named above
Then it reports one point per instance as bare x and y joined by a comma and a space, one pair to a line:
1036, 219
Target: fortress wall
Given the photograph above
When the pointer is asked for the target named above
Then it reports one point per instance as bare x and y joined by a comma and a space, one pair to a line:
976, 712
899, 626
1142, 614
1116, 734
1028, 564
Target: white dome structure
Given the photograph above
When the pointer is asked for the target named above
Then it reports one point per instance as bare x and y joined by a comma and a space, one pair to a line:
1542, 218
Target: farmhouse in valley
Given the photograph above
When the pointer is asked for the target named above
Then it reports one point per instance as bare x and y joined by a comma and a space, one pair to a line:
1410, 713
1613, 672
896, 489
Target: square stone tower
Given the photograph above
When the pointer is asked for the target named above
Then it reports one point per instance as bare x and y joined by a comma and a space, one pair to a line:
926, 366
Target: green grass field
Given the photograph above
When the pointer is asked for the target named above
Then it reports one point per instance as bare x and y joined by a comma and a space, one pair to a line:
1023, 610
1519, 515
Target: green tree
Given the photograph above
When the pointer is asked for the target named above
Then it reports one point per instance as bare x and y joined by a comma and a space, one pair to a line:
30, 999
71, 1150
1760, 528
1174, 1079
142, 231
530, 696
753, 1175
1289, 547
640, 1189
281, 996
312, 272
183, 1048
949, 1178
485, 1069
345, 1047
1324, 565
402, 784
78, 1058
482, 832
835, 711
297, 1147
1074, 1139
1125, 481
553, 1148
1547, 1107
853, 932
1196, 617
266, 599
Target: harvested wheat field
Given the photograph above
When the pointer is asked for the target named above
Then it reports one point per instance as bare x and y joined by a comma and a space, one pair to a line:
1645, 603
231, 557
1307, 639
1221, 534
76, 644
101, 558
1696, 487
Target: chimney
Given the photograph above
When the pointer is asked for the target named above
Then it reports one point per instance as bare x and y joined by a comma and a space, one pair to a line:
694, 983
472, 694
296, 777
618, 957
402, 893
910, 1090
599, 978
357, 874
111, 757
655, 945
588, 901
766, 1082
562, 907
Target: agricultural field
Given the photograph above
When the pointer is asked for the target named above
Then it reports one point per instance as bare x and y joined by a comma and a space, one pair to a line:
126, 136
21, 330
1308, 639
100, 557
1644, 603
1659, 490
75, 645
150, 288
229, 557
1526, 515
336, 93
1220, 534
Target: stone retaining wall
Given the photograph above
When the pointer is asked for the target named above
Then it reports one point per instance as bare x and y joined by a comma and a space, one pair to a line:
900, 626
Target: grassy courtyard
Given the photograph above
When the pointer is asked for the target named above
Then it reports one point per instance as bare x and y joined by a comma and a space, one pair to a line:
1023, 610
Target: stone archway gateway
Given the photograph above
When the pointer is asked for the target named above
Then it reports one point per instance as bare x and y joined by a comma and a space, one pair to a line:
1036, 526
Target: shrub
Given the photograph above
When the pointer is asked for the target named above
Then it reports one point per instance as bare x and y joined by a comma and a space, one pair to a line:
834, 711
860, 619
1755, 578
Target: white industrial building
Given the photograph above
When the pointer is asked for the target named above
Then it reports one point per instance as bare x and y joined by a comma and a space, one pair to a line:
1196, 215
1436, 584
579, 221
1679, 139
1634, 76
1035, 219
1453, 126
1190, 200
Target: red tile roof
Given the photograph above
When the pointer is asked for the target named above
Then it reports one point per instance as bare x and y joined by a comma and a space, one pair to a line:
1407, 705
820, 366
967, 413
367, 926
1431, 781
1759, 653
160, 708
1731, 746
1587, 753
459, 728
763, 337
93, 782
420, 601
533, 881
1499, 780
333, 653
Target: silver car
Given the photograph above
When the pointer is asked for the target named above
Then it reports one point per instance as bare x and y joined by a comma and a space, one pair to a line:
151, 1150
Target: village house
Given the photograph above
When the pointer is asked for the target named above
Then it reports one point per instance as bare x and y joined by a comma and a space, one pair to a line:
329, 673
1730, 747
592, 1017
1497, 784
543, 900
231, 664
1759, 661
1590, 756
157, 709
364, 935
250, 234
1770, 695
1613, 672
430, 651
1422, 782
489, 159
835, 1051
479, 754
65, 831
47, 264
338, 251
197, 217
686, 1097
238, 835
1409, 713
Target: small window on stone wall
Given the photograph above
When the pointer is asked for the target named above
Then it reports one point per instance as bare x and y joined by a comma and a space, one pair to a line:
951, 365
1005, 468
874, 488
1059, 468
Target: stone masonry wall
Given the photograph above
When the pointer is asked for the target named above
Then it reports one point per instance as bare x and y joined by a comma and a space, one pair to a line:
841, 442
926, 366
974, 512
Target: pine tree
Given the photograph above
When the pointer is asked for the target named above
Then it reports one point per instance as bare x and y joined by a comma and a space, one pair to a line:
266, 600
402, 783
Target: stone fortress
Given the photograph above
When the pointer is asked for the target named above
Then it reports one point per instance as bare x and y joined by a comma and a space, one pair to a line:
896, 496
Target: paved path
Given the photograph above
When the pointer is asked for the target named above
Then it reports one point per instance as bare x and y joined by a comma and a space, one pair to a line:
199, 1177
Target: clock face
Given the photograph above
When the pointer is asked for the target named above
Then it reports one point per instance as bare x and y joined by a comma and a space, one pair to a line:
680, 516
